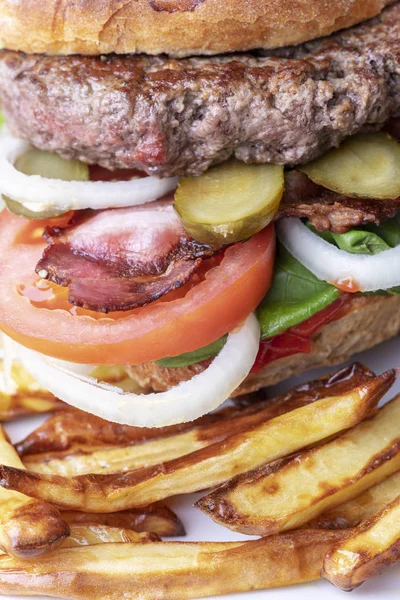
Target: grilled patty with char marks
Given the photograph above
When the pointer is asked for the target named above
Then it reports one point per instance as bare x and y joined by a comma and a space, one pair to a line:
175, 117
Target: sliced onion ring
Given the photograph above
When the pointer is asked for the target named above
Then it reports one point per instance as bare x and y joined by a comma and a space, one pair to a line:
366, 273
8, 357
185, 402
38, 193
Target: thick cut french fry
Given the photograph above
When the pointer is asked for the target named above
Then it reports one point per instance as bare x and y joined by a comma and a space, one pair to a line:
112, 460
210, 466
336, 383
170, 571
83, 433
90, 535
24, 396
363, 507
264, 503
211, 430
371, 547
155, 518
27, 527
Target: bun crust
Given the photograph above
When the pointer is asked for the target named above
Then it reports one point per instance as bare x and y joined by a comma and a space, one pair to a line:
370, 321
176, 27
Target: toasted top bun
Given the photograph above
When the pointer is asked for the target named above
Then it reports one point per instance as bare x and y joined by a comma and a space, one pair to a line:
176, 27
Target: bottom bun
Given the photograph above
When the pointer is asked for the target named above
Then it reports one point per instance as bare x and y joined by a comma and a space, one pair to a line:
370, 320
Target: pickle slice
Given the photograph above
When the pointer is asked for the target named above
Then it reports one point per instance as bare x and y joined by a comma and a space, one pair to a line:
230, 202
365, 165
52, 166
19, 209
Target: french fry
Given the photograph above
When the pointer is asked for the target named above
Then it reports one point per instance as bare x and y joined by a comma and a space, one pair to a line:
25, 396
74, 429
111, 460
78, 461
153, 451
261, 503
81, 432
278, 437
90, 535
27, 527
149, 453
334, 384
373, 546
155, 518
170, 571
353, 512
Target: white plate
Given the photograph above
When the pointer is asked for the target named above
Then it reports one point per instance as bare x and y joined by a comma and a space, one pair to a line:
199, 527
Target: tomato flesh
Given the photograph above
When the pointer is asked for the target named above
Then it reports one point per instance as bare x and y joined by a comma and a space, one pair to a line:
223, 298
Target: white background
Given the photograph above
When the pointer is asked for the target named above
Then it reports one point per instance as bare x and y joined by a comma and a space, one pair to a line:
201, 528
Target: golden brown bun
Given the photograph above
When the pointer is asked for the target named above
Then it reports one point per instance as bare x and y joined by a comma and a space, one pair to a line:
370, 321
178, 27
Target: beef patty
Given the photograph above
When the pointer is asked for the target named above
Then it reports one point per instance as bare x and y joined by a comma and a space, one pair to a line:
173, 117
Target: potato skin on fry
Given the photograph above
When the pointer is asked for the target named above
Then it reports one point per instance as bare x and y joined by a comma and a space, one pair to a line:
155, 518
209, 466
335, 383
368, 550
174, 441
26, 396
170, 571
31, 528
74, 430
92, 534
261, 502
27, 527
353, 512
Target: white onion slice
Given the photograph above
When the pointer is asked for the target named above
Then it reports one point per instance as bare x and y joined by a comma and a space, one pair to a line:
366, 273
39, 194
186, 402
76, 368
8, 358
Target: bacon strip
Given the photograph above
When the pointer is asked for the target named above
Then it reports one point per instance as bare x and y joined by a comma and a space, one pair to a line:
121, 259
328, 210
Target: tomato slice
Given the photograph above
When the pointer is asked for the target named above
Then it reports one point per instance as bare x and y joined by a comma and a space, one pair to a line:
224, 297
297, 339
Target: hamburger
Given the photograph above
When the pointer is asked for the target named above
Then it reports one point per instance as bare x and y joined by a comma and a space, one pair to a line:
204, 193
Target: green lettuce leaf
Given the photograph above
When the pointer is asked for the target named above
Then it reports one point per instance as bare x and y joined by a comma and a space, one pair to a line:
294, 296
389, 231
191, 358
357, 242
